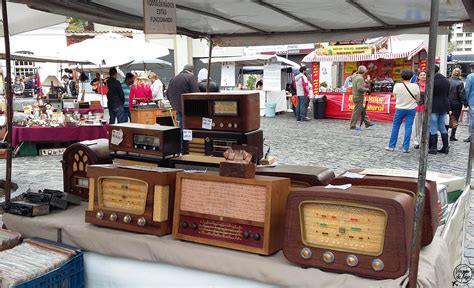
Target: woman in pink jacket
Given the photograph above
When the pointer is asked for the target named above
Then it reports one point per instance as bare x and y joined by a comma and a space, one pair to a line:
140, 91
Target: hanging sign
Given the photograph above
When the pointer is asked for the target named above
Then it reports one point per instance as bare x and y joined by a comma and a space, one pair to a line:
228, 74
315, 76
272, 77
159, 16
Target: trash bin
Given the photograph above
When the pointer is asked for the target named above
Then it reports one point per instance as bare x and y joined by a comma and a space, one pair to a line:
270, 109
319, 107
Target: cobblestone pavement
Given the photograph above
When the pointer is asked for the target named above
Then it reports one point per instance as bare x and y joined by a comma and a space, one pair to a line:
321, 142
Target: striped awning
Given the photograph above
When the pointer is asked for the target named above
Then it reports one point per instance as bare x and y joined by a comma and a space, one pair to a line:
399, 49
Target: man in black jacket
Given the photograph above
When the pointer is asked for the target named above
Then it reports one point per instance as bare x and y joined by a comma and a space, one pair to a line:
440, 108
115, 98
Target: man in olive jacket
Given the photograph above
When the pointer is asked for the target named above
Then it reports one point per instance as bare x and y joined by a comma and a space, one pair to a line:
358, 91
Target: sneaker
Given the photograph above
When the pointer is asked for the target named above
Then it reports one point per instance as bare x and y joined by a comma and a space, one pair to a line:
389, 149
356, 129
417, 146
467, 139
370, 125
406, 151
306, 119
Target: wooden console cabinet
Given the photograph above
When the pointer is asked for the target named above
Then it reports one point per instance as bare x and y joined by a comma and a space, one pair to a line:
149, 116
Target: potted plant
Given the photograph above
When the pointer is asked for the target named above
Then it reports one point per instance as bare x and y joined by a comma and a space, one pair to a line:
323, 86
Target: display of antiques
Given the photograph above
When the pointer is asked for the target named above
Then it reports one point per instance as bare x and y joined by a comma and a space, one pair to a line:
30, 260
144, 139
133, 198
8, 239
219, 120
362, 230
430, 214
245, 214
300, 176
76, 158
239, 162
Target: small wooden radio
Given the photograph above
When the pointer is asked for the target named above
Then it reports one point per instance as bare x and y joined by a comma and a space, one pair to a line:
430, 214
300, 176
360, 231
133, 198
154, 140
237, 213
231, 111
76, 158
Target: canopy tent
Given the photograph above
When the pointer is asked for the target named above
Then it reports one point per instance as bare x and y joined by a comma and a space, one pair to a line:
263, 22
21, 16
38, 58
253, 60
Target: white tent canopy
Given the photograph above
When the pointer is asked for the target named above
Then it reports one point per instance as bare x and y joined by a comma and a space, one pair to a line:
260, 22
253, 60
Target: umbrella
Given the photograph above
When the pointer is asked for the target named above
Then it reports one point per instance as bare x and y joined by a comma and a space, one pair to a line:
112, 49
146, 64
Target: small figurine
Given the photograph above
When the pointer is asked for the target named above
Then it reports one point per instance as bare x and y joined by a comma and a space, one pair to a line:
36, 111
237, 156
49, 110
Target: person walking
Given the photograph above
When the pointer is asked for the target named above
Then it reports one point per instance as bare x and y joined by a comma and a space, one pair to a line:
457, 98
407, 96
420, 108
115, 98
126, 84
440, 107
358, 91
470, 100
302, 91
140, 91
202, 82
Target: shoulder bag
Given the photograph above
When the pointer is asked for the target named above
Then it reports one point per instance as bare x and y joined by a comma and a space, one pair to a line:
419, 102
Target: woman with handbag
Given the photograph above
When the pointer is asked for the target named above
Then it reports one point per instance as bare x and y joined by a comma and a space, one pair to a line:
421, 81
457, 98
407, 96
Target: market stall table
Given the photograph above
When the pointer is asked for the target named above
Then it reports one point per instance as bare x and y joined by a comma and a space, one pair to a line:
58, 134
275, 269
83, 111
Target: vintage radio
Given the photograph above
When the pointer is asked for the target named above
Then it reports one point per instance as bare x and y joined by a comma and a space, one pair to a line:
430, 214
76, 158
155, 140
133, 198
300, 176
196, 162
237, 213
214, 143
229, 111
360, 231
125, 158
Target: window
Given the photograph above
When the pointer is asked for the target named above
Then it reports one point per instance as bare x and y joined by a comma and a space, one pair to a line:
468, 41
459, 42
459, 35
469, 34
459, 49
467, 49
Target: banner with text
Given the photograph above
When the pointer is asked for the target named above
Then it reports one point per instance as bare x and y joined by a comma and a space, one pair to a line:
315, 77
159, 16
378, 103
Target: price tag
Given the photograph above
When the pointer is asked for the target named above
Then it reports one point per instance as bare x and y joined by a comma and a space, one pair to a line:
206, 123
187, 135
117, 137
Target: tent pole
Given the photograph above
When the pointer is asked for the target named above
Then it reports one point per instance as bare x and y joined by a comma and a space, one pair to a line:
423, 161
209, 64
9, 98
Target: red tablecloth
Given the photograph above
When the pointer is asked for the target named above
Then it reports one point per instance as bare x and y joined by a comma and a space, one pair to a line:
58, 134
333, 109
83, 111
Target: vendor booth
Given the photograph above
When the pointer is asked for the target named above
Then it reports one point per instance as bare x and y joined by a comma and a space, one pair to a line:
385, 60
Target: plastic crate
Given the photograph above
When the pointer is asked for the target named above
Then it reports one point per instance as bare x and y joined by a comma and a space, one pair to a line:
69, 275
28, 149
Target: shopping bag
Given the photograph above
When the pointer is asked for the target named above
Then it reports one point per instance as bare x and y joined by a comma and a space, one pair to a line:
453, 122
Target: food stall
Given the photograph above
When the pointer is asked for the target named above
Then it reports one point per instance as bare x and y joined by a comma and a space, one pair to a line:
385, 60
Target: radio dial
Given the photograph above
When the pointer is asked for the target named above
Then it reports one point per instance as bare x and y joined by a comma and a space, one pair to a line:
135, 146
99, 215
127, 219
229, 125
208, 139
221, 125
256, 236
194, 226
246, 235
113, 217
377, 265
213, 124
306, 253
328, 257
184, 225
352, 260
236, 125
141, 222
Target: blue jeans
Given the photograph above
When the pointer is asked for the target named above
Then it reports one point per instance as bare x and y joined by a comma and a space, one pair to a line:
409, 116
127, 114
438, 123
302, 108
117, 113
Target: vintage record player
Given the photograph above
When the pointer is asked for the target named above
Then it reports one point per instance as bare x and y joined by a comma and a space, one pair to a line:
362, 231
76, 158
300, 176
238, 213
133, 198
430, 214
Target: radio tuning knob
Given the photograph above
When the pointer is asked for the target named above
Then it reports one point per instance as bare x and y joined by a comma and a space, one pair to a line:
127, 219
213, 124
306, 253
194, 226
328, 257
113, 217
141, 222
229, 125
256, 236
184, 225
377, 265
352, 260
236, 125
246, 235
221, 125
99, 215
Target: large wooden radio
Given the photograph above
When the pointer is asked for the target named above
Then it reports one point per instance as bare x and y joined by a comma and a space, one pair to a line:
215, 143
133, 198
430, 214
237, 213
76, 158
300, 176
360, 231
155, 140
230, 111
